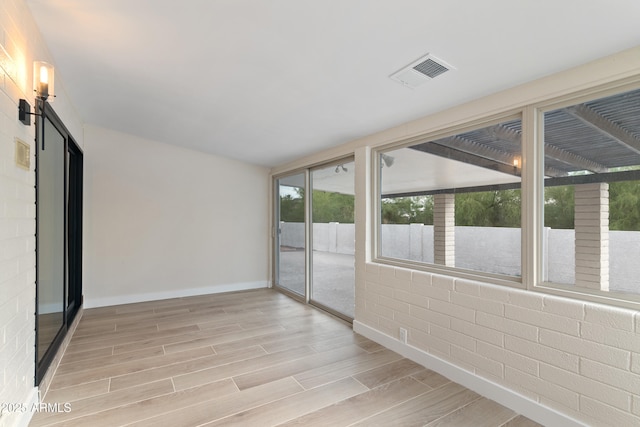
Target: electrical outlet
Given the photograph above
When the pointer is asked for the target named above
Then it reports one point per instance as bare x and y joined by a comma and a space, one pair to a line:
403, 335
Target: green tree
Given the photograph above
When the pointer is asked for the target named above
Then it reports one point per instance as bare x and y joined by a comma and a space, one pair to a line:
407, 210
327, 206
332, 207
624, 205
292, 206
559, 207
500, 208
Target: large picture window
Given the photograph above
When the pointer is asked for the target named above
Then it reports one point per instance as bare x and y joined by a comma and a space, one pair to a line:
592, 194
454, 202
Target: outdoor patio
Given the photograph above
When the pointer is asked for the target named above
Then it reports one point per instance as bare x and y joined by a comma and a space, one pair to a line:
333, 282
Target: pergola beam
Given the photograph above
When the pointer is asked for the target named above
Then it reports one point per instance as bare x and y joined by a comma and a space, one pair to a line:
605, 126
572, 159
483, 155
477, 149
515, 138
551, 150
449, 152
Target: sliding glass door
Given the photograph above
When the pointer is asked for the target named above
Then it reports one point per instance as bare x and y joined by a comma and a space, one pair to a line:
316, 263
50, 236
333, 237
59, 168
290, 236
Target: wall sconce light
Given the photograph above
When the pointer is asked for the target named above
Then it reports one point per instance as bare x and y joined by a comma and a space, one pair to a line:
43, 80
24, 112
517, 165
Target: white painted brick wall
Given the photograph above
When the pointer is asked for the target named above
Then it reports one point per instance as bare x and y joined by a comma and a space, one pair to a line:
635, 363
612, 317
544, 320
509, 327
431, 316
576, 357
21, 39
605, 414
607, 394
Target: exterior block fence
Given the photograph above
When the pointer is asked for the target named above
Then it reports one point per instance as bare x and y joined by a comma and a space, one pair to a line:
488, 249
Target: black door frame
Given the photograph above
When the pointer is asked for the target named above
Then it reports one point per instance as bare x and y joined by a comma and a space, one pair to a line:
74, 229
73, 187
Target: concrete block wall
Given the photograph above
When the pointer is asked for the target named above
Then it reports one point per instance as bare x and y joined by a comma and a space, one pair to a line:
292, 234
334, 237
576, 358
327, 237
488, 249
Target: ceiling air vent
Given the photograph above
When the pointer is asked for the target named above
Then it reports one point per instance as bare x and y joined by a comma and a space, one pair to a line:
424, 69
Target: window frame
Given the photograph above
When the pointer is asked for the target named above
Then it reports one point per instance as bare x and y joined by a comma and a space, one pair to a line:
307, 172
499, 279
532, 190
620, 299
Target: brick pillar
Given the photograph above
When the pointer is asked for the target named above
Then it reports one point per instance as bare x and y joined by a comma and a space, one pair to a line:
444, 229
592, 235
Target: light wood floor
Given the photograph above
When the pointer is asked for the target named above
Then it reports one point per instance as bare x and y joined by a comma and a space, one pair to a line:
253, 358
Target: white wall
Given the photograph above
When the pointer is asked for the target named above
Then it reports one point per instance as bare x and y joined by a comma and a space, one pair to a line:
557, 360
22, 41
163, 221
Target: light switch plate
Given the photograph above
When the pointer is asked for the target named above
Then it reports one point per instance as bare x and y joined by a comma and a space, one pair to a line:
23, 154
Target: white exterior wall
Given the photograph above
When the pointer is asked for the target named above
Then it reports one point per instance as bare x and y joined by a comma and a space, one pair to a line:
22, 41
165, 221
556, 360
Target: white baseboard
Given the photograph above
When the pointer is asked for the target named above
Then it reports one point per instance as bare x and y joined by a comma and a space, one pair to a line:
504, 396
178, 293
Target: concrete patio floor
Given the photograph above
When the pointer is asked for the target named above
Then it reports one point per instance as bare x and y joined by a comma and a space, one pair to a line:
333, 283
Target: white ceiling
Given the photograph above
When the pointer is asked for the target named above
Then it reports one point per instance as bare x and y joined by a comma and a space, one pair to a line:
267, 81
443, 173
